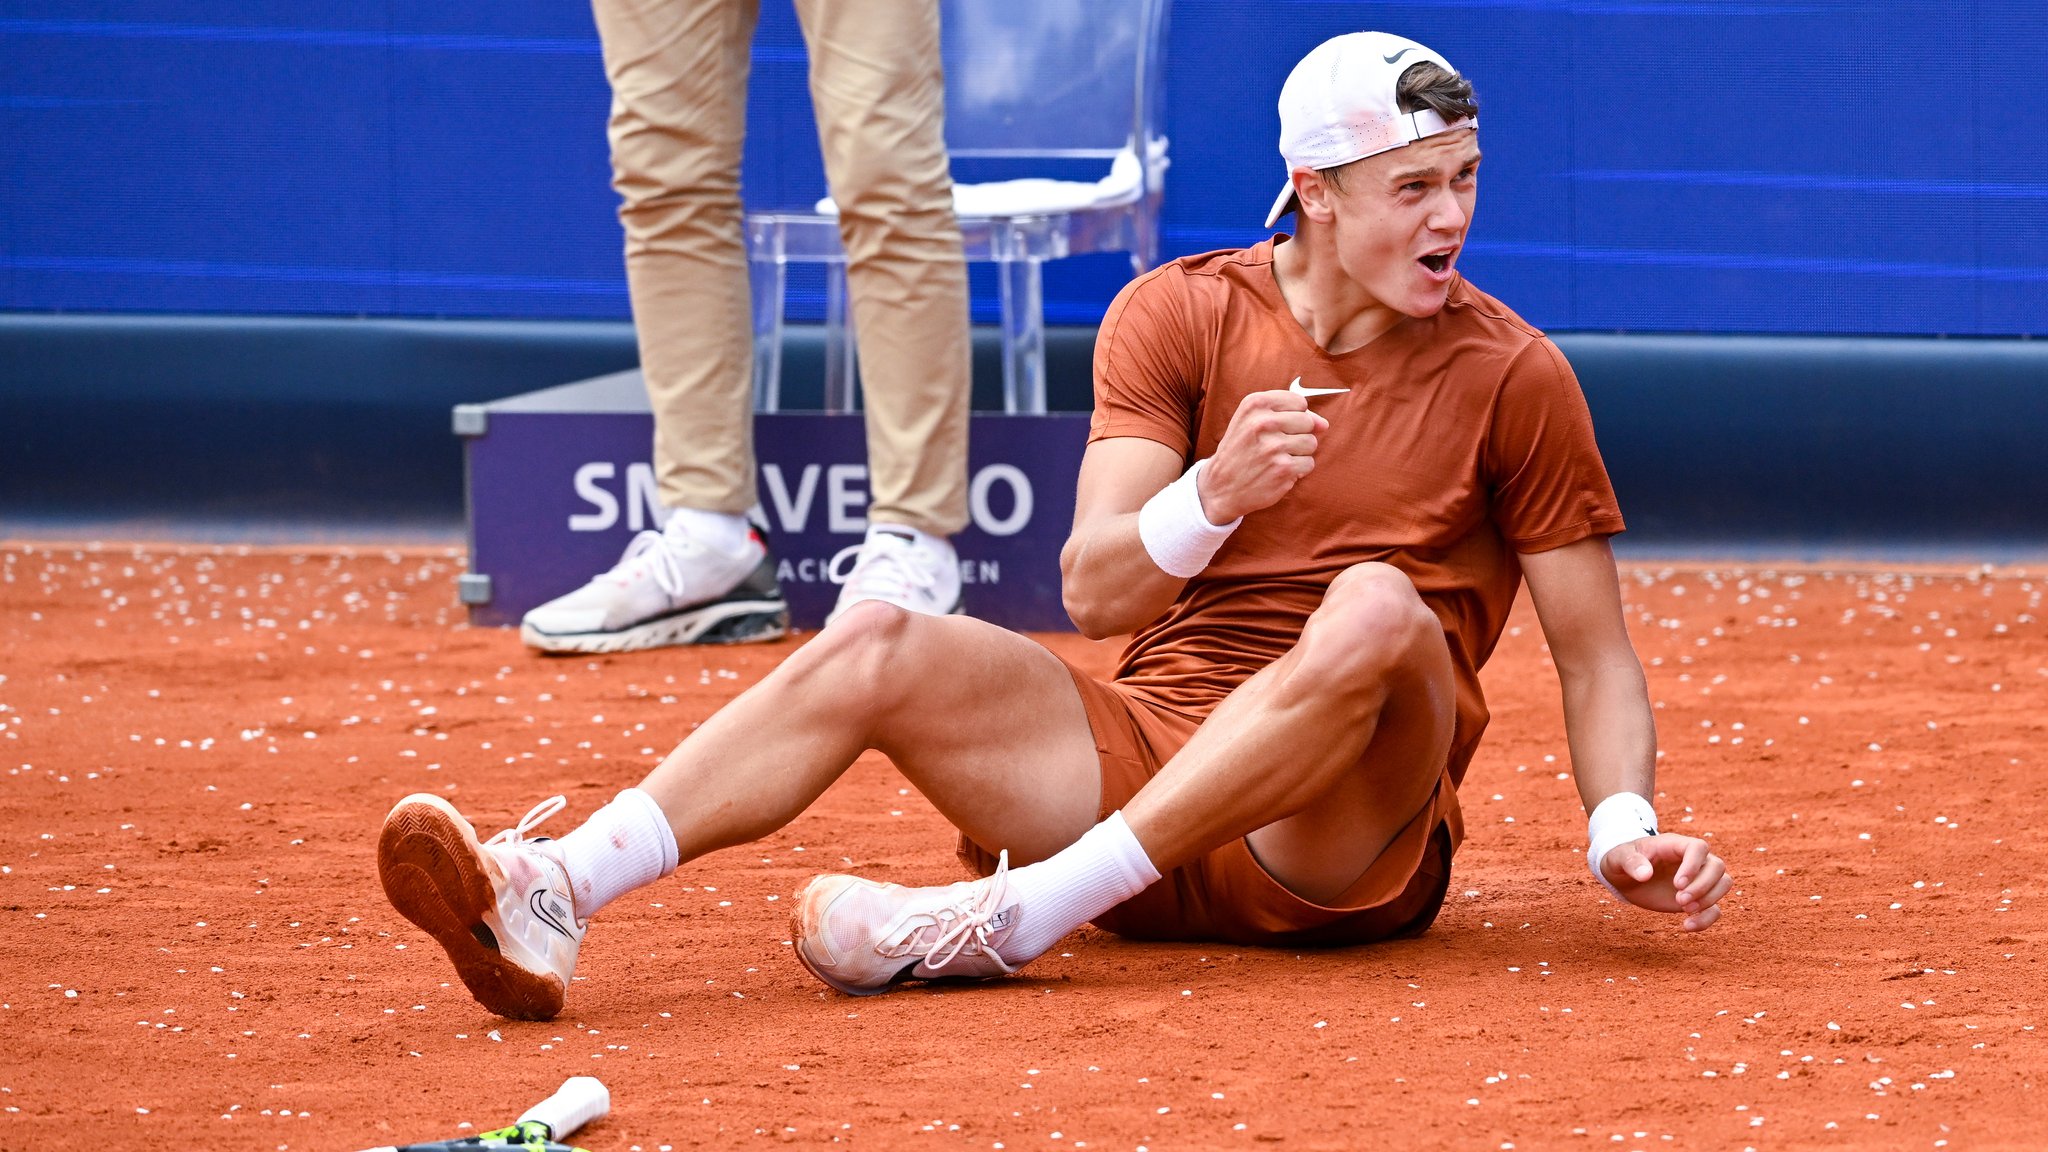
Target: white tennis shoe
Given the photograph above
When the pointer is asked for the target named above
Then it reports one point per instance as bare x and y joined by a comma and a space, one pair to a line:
502, 910
913, 570
669, 588
865, 938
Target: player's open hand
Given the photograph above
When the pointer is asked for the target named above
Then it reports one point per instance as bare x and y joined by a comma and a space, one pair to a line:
1669, 873
1269, 446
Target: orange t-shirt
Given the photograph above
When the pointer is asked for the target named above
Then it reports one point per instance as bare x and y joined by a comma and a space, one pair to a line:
1463, 440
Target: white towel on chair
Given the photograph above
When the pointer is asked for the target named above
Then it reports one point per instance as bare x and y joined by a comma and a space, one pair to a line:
1040, 197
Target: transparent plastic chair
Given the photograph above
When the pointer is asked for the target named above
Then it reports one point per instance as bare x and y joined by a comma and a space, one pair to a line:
1031, 86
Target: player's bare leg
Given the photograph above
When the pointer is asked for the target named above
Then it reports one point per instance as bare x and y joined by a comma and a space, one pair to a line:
1319, 760
1326, 754
985, 723
989, 727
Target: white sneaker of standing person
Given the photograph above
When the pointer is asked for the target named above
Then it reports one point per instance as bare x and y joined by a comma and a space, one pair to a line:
705, 578
502, 909
899, 564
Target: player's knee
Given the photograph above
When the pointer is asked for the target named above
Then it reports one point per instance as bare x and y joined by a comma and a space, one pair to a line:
862, 648
1370, 621
1377, 593
867, 629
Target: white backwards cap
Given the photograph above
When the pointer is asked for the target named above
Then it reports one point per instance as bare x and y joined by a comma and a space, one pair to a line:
1338, 105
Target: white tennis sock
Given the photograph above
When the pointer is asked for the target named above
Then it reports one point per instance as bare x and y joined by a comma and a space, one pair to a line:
720, 531
624, 845
1101, 870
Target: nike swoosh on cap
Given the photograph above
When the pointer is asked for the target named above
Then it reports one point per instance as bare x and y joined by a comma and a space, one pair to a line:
1396, 56
1298, 390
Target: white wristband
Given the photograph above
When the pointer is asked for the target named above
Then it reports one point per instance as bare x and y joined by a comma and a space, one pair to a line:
1176, 532
1616, 820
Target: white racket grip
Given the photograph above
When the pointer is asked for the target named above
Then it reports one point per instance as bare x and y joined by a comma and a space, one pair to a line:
577, 1102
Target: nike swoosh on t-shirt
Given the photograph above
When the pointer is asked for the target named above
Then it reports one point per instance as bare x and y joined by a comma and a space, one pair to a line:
1298, 390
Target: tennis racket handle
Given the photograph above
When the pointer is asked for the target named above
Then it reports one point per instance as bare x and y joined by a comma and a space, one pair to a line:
577, 1102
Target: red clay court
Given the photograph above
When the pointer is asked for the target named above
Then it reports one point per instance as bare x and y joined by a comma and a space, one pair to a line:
200, 742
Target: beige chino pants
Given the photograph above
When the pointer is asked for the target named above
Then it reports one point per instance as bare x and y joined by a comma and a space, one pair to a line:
678, 70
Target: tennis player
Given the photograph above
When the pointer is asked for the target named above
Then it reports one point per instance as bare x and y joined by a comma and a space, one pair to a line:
1319, 469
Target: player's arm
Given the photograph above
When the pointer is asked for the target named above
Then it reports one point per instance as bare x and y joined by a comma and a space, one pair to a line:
1608, 724
1110, 578
1107, 581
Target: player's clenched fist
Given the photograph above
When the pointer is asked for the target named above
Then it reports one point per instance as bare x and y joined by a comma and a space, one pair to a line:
1269, 445
1669, 873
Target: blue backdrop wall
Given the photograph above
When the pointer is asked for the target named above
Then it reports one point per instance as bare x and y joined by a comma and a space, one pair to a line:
1713, 165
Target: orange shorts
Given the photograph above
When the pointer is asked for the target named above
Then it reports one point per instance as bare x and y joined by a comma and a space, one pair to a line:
1226, 895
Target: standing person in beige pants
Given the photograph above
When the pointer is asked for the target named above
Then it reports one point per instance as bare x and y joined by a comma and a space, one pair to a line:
678, 71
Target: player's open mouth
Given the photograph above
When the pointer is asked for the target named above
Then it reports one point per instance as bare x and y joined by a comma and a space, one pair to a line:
1436, 262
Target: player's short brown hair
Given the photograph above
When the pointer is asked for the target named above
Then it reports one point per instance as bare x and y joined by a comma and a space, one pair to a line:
1449, 95
1424, 85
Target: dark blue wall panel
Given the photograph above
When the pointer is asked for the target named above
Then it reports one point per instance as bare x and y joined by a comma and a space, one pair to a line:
1690, 165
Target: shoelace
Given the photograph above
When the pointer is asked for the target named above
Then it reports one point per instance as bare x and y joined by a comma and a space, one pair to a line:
962, 924
530, 821
659, 554
890, 567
